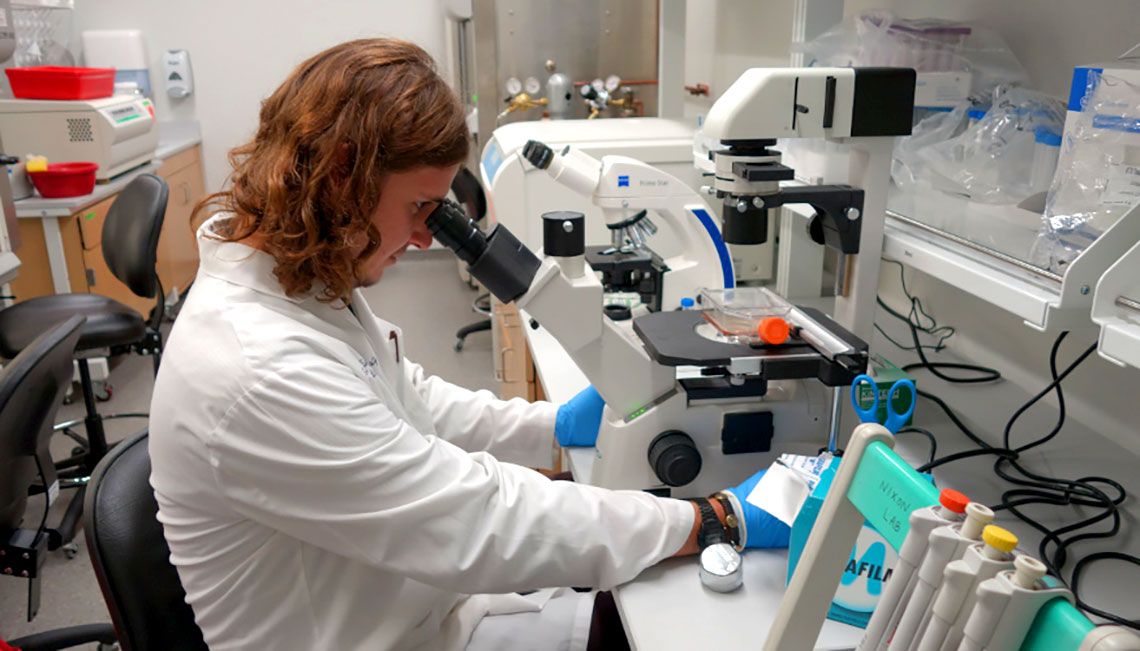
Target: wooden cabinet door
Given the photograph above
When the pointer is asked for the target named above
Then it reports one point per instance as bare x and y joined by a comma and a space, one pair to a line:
178, 248
99, 276
35, 278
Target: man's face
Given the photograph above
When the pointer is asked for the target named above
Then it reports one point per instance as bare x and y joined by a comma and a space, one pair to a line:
406, 199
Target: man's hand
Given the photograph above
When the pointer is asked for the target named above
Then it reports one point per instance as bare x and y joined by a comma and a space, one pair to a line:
758, 528
579, 419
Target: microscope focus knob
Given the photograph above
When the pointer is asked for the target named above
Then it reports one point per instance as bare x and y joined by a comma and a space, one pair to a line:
674, 458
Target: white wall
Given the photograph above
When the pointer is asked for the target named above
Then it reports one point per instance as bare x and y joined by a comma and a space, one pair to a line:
242, 49
723, 38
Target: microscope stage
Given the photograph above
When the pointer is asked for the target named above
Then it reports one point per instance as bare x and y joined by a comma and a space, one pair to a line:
673, 339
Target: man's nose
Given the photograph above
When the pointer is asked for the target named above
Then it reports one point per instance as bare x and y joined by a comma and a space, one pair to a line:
421, 236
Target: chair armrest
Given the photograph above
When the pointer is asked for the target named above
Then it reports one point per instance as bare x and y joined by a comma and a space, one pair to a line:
64, 638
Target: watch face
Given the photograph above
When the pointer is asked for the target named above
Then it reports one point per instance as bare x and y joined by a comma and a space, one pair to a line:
514, 86
532, 86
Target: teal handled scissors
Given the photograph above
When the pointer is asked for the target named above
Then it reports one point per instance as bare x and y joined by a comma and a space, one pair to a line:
895, 420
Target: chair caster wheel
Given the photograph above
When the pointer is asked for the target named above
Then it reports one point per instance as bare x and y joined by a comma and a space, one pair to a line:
107, 647
458, 345
106, 393
70, 550
78, 450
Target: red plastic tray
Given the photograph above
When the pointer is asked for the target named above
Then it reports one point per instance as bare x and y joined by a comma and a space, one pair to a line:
59, 82
65, 180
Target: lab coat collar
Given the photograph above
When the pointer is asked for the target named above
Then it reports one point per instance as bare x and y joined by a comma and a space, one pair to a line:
246, 266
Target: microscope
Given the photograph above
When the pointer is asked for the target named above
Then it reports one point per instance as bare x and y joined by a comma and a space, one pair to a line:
688, 409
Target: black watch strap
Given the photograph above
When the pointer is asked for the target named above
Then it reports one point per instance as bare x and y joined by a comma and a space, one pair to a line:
711, 531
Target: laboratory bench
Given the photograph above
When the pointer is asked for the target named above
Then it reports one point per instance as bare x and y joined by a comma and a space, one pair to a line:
61, 248
666, 607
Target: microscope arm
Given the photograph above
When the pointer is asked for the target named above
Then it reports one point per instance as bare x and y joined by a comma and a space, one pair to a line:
566, 298
838, 212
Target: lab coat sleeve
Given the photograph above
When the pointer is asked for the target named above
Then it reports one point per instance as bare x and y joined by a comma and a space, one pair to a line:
312, 453
516, 431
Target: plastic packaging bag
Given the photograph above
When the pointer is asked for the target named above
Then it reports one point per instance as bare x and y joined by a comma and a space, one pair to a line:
935, 127
1098, 173
880, 38
992, 161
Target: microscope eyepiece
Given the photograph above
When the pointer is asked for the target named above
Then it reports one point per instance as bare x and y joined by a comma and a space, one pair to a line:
450, 225
503, 264
538, 154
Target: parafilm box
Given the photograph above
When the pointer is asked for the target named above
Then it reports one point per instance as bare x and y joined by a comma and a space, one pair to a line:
869, 566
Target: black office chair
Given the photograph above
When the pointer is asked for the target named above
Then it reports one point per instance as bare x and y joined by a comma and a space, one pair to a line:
130, 244
130, 556
32, 386
469, 194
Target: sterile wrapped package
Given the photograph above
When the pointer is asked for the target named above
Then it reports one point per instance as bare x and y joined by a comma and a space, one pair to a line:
1098, 174
992, 160
880, 38
934, 127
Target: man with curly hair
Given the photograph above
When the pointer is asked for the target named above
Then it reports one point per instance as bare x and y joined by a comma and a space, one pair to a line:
317, 489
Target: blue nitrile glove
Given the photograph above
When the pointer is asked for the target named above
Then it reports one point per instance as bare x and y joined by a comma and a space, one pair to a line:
758, 528
579, 419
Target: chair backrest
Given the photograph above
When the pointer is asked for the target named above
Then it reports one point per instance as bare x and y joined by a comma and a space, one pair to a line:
131, 231
130, 556
32, 387
469, 192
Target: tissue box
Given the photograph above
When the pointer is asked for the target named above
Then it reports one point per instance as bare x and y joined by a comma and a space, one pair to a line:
871, 562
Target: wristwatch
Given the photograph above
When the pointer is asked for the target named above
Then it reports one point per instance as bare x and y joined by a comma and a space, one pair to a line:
720, 563
711, 530
731, 523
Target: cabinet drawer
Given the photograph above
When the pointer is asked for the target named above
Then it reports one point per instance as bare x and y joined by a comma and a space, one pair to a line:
180, 160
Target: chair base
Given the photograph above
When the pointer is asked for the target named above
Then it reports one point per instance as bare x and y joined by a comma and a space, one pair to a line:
461, 334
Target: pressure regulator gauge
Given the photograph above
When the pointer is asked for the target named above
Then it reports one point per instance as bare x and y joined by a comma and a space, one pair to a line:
612, 83
532, 86
598, 85
514, 86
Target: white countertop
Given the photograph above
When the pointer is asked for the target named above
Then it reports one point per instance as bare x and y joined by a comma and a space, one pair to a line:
666, 607
173, 138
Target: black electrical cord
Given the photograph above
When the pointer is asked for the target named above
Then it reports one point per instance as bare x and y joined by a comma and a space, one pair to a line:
965, 454
1076, 580
926, 433
915, 325
1038, 489
1031, 489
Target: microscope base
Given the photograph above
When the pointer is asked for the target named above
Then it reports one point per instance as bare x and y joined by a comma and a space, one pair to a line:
799, 413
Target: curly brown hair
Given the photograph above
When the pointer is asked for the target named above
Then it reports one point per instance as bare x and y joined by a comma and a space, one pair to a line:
307, 184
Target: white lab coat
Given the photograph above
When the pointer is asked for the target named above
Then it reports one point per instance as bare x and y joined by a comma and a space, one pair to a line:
319, 491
